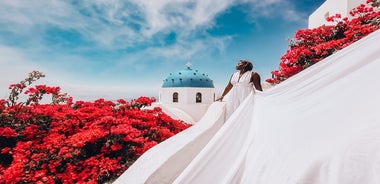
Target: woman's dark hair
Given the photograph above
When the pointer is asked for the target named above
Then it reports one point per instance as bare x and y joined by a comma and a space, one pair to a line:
247, 65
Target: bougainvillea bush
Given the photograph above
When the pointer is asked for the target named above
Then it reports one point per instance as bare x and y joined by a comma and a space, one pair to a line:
75, 142
312, 45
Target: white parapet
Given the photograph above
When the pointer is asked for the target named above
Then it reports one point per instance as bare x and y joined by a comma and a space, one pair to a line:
330, 8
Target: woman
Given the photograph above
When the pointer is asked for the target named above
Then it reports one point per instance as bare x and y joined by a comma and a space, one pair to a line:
241, 84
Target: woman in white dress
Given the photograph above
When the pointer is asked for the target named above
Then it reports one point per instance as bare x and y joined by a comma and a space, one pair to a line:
241, 84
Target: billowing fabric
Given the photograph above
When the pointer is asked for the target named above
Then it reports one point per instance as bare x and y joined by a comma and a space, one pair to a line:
242, 87
321, 126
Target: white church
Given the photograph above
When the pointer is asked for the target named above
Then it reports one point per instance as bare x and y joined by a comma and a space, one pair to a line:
186, 94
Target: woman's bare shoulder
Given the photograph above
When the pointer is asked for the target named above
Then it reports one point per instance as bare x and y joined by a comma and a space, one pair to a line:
255, 74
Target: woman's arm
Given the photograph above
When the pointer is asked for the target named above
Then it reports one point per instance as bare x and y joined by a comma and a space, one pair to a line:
255, 78
226, 90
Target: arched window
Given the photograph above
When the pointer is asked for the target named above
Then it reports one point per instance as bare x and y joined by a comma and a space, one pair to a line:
198, 97
175, 97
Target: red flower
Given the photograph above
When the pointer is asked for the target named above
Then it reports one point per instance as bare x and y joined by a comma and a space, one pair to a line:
5, 150
7, 132
312, 45
78, 142
116, 147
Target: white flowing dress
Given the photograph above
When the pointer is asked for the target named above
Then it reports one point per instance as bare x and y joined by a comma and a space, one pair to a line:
242, 87
320, 126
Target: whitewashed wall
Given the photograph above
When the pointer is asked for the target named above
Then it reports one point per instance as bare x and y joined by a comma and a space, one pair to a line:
186, 108
186, 95
332, 7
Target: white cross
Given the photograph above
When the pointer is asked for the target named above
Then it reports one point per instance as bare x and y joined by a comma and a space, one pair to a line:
188, 64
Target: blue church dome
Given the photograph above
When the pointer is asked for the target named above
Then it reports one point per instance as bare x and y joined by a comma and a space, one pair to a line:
188, 78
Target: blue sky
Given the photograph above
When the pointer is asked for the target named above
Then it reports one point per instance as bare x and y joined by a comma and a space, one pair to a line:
125, 48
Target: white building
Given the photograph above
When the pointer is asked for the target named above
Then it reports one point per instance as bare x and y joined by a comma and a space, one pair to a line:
330, 8
186, 94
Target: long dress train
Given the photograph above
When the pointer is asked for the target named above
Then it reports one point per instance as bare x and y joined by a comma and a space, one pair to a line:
319, 127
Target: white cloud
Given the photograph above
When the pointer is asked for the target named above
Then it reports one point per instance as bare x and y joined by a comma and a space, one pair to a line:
294, 16
14, 68
115, 24
31, 14
281, 9
13, 63
107, 21
110, 25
